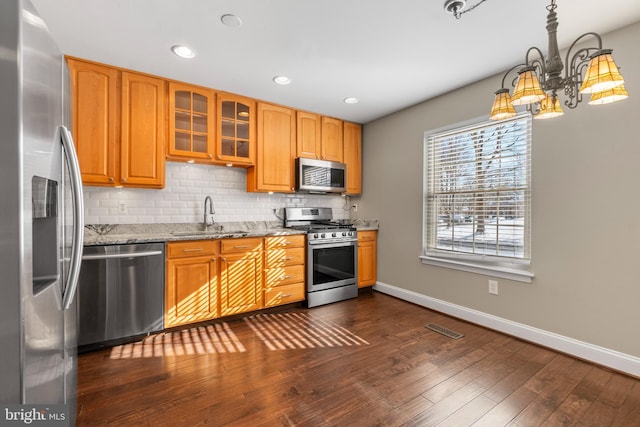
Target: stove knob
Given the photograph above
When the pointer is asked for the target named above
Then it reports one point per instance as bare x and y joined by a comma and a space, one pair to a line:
315, 236
344, 233
322, 236
333, 234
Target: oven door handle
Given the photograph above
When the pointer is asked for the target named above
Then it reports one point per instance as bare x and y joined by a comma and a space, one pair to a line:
333, 244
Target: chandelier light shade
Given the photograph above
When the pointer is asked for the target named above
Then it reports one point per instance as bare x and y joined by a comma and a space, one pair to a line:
618, 93
502, 108
585, 70
528, 90
549, 108
602, 73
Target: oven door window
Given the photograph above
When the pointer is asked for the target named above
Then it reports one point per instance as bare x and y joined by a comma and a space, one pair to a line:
333, 264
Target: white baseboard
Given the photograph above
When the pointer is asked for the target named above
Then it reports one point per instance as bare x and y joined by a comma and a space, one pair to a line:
603, 356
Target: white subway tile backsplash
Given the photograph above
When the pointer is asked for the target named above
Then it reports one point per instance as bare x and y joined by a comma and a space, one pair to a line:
183, 199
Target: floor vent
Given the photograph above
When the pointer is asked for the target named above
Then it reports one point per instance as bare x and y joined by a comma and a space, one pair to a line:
444, 331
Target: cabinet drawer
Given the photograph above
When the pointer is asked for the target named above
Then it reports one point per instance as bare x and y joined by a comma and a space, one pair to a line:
367, 235
284, 294
192, 248
282, 257
282, 242
241, 245
284, 275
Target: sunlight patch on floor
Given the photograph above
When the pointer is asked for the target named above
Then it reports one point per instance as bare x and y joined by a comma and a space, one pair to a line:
299, 330
217, 338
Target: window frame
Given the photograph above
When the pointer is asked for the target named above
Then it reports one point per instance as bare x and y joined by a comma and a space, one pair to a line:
513, 268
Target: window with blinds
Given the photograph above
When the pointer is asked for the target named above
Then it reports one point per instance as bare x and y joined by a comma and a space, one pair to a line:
477, 191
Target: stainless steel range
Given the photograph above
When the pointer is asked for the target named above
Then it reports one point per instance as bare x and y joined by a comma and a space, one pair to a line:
332, 255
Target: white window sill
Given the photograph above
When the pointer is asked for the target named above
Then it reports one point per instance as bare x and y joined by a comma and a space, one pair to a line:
519, 275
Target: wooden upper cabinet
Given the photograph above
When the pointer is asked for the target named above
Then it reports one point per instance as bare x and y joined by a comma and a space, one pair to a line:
118, 125
308, 141
332, 146
275, 157
353, 156
94, 106
235, 142
192, 121
142, 150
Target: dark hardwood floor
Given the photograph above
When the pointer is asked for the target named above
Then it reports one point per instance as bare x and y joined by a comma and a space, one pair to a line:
369, 361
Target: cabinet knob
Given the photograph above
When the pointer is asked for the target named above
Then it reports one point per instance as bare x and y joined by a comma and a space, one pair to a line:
111, 179
124, 180
210, 155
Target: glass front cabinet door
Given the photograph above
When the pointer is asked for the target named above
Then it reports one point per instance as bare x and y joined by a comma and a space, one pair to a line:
191, 122
236, 130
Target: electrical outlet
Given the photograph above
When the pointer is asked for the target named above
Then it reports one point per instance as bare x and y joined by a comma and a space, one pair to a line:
122, 207
493, 287
354, 207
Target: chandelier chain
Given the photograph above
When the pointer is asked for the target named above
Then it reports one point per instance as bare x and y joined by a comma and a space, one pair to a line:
459, 14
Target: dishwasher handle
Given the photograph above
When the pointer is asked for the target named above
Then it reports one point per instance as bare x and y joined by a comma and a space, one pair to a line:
122, 255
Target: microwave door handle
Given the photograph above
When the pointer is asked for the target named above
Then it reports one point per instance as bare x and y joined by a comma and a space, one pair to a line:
78, 217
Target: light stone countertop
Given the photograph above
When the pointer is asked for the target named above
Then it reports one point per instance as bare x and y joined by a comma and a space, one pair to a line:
120, 234
365, 224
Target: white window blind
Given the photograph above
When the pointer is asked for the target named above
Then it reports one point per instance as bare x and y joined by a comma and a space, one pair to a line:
477, 191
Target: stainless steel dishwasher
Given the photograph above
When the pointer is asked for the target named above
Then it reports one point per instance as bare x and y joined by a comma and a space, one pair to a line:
120, 293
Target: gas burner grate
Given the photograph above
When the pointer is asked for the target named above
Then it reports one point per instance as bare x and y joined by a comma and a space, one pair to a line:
444, 331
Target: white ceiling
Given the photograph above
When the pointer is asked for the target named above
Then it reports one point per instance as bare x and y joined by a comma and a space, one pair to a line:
389, 54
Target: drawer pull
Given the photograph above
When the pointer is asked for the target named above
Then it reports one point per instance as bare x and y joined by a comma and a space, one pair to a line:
241, 246
193, 250
285, 277
285, 296
287, 258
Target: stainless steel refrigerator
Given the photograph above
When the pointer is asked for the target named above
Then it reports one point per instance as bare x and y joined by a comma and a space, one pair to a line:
41, 211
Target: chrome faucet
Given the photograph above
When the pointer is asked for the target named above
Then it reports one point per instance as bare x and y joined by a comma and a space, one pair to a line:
208, 215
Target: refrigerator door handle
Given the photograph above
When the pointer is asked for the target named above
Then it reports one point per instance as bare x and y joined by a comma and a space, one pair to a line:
78, 217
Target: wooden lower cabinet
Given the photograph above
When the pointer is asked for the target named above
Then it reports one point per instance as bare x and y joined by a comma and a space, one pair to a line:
284, 270
207, 279
367, 257
241, 275
191, 293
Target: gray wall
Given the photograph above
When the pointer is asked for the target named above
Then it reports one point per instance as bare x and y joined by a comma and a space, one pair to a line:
586, 211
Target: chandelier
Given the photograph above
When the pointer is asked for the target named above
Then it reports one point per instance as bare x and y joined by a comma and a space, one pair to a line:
589, 70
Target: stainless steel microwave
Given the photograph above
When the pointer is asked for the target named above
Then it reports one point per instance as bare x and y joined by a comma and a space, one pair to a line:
320, 176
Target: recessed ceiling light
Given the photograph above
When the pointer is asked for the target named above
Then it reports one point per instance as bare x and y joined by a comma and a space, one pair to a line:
282, 80
351, 100
183, 51
231, 20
